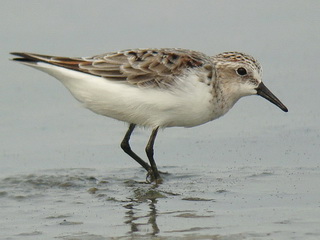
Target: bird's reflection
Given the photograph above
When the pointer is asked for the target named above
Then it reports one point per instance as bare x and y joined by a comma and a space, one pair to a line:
142, 212
153, 216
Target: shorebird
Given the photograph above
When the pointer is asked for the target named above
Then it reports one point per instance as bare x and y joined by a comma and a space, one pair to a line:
156, 88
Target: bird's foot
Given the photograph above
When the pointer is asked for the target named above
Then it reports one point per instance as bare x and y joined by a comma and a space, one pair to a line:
154, 178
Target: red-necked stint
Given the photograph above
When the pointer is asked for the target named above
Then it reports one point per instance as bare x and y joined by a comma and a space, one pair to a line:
156, 88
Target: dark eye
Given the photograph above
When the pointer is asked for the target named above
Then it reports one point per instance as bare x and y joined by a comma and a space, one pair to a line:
241, 71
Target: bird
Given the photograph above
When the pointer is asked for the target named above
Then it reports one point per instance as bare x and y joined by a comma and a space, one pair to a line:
156, 88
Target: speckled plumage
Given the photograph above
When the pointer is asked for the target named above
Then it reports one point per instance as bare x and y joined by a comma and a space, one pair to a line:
157, 87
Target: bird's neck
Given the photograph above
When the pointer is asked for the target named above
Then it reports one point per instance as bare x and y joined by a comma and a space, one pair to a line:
224, 97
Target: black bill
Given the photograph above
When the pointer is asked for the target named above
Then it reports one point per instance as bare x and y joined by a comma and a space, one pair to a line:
264, 92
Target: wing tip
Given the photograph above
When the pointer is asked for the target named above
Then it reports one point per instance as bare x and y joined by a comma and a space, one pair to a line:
23, 57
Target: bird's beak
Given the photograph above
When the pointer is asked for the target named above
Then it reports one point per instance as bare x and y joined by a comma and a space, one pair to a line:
264, 92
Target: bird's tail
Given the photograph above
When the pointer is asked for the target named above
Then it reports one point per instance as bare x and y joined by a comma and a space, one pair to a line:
33, 59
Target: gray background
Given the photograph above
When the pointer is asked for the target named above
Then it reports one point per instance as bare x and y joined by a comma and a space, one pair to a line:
42, 127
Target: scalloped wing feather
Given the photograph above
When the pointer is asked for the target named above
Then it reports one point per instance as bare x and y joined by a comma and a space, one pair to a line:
143, 67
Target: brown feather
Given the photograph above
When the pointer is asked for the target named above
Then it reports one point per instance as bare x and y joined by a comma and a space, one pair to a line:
143, 67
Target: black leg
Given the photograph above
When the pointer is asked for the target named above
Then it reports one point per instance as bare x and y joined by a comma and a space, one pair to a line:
127, 149
149, 151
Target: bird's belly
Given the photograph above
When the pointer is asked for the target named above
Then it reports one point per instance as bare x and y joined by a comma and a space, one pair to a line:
149, 107
188, 104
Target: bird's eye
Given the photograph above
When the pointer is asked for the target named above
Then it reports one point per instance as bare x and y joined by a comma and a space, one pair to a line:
241, 71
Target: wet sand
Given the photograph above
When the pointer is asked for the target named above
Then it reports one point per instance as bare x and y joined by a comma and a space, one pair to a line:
192, 203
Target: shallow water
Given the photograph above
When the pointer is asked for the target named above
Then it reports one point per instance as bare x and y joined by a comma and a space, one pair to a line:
253, 174
192, 203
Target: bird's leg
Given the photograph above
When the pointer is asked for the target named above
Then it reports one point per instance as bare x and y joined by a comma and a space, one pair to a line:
127, 149
149, 151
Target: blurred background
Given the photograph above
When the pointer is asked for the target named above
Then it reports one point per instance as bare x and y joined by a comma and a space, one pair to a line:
42, 126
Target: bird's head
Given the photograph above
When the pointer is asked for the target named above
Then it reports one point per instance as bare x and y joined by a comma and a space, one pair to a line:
241, 75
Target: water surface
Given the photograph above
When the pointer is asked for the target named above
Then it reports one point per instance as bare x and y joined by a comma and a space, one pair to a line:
192, 203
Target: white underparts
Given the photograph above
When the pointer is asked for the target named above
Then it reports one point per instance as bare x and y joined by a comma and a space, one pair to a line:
188, 103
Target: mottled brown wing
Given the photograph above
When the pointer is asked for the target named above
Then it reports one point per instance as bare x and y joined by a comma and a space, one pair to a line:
144, 67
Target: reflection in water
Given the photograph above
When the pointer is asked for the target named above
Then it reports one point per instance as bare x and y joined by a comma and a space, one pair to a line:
153, 216
130, 215
133, 217
80, 204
